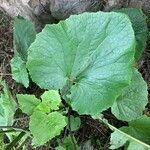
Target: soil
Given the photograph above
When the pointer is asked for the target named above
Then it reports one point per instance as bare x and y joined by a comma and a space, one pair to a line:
90, 129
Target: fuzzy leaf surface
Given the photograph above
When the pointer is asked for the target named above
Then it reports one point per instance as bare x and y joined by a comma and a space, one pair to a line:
131, 103
93, 53
28, 103
44, 127
53, 98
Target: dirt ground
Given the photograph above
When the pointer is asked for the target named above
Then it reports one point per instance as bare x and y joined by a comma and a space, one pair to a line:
90, 129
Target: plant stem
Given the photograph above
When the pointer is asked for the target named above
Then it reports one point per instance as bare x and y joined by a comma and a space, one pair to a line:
113, 128
22, 144
14, 142
6, 131
15, 128
71, 135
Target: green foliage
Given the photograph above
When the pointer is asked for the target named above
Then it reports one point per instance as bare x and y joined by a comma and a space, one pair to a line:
44, 123
2, 144
68, 144
44, 127
19, 71
53, 98
7, 106
131, 103
60, 148
24, 34
88, 58
75, 123
27, 103
134, 137
138, 19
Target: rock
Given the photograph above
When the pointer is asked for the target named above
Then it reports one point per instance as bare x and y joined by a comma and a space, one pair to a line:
38, 7
41, 9
62, 9
49, 11
114, 4
18, 7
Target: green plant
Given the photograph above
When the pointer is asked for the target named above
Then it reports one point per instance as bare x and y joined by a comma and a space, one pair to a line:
136, 135
23, 35
89, 61
45, 120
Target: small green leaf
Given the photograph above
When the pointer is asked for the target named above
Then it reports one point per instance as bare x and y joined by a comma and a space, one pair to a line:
133, 137
8, 106
131, 103
19, 71
27, 103
68, 143
94, 52
75, 123
44, 127
60, 148
139, 23
53, 98
43, 107
23, 35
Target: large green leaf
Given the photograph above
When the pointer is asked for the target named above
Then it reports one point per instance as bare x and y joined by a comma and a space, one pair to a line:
45, 127
131, 103
138, 19
136, 136
7, 106
28, 103
93, 53
24, 34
